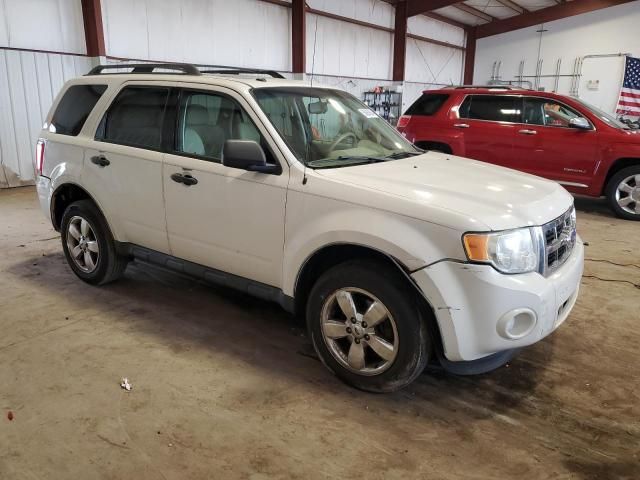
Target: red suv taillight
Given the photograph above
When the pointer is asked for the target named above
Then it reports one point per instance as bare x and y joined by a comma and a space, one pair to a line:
403, 121
40, 156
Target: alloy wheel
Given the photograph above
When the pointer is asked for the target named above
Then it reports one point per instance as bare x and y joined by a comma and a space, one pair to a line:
359, 331
628, 194
83, 244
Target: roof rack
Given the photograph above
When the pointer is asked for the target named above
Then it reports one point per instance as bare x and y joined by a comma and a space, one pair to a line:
181, 68
490, 87
241, 71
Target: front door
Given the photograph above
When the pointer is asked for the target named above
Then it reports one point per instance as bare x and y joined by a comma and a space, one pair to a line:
546, 144
231, 220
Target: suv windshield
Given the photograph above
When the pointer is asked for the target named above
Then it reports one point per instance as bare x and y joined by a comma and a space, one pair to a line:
602, 115
328, 128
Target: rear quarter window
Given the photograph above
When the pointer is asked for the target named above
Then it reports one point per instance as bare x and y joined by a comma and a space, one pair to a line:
428, 104
74, 108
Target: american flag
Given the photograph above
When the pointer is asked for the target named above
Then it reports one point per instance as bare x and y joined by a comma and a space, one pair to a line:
629, 102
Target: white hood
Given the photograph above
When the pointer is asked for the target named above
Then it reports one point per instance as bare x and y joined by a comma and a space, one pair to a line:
496, 197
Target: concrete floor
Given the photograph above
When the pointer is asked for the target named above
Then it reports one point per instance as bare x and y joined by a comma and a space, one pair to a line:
224, 385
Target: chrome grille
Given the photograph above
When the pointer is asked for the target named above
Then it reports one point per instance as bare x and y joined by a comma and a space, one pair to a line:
559, 240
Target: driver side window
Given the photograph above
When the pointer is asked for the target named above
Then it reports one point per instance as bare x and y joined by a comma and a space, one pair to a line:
547, 112
207, 120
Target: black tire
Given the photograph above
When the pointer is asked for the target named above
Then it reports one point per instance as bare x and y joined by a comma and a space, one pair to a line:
414, 345
109, 265
612, 187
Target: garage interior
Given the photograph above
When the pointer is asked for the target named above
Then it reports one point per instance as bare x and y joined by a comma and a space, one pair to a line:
229, 386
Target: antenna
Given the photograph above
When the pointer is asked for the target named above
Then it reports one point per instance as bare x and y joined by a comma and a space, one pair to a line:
313, 58
313, 68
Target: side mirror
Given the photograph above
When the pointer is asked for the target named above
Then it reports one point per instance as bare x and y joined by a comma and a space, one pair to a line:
246, 155
580, 123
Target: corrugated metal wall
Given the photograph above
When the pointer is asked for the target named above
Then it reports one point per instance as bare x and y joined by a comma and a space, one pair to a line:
29, 81
53, 25
242, 33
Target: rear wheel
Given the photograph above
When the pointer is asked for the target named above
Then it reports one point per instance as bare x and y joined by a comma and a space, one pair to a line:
88, 245
366, 327
623, 193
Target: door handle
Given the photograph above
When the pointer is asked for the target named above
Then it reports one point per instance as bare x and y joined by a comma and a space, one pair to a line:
186, 180
461, 125
100, 160
528, 132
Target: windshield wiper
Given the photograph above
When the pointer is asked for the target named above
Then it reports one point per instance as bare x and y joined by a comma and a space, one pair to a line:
363, 158
344, 161
399, 155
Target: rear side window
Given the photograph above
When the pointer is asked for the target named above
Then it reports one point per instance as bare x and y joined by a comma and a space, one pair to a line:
428, 104
74, 108
496, 108
135, 118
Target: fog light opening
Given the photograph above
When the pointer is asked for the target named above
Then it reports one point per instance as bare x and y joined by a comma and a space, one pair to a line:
516, 323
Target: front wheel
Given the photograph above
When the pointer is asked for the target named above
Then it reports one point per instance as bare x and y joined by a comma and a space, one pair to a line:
366, 327
623, 193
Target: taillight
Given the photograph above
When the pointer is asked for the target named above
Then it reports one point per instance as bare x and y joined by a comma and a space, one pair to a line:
403, 121
40, 156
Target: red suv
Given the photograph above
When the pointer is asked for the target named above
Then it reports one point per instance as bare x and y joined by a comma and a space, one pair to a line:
554, 136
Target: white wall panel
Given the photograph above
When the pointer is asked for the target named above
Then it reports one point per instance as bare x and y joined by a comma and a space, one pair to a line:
428, 27
42, 25
28, 83
348, 50
371, 11
250, 34
433, 64
609, 30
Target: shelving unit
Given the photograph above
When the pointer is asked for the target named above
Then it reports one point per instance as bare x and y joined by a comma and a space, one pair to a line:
387, 104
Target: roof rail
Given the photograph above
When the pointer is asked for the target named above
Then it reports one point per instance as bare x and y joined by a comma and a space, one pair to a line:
240, 71
490, 87
181, 68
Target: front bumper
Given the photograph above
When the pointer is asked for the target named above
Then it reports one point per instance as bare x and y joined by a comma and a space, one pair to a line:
481, 311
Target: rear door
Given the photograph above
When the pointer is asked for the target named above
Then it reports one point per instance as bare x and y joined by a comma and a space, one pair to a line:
123, 169
487, 124
546, 145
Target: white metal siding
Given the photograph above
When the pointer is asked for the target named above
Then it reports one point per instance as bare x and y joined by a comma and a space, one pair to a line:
427, 62
54, 25
371, 11
28, 83
345, 49
242, 33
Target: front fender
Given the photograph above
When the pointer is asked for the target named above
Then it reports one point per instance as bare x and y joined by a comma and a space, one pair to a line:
316, 222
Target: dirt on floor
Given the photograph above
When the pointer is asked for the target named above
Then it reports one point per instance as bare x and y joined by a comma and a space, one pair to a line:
226, 386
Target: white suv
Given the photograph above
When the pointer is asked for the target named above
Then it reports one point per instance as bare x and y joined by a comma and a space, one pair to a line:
304, 196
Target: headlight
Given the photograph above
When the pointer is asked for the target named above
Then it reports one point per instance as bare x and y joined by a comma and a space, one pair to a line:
511, 251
